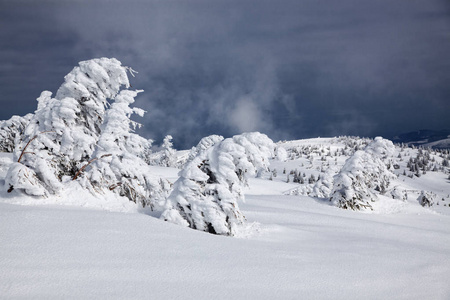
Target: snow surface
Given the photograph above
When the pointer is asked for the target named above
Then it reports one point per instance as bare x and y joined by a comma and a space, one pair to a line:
77, 246
444, 143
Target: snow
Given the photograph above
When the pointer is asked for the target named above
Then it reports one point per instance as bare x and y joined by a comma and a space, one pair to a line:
444, 143
303, 250
76, 245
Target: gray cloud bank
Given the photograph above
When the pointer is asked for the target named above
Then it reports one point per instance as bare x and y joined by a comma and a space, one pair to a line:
291, 69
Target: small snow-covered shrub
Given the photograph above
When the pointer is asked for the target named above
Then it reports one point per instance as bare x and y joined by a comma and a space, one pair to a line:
24, 178
363, 176
281, 153
399, 193
324, 186
10, 130
426, 198
206, 195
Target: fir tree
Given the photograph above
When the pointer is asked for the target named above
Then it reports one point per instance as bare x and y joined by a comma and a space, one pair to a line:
118, 164
63, 132
206, 195
363, 175
168, 158
10, 130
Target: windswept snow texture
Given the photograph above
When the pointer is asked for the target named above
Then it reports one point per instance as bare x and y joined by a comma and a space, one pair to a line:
295, 246
304, 250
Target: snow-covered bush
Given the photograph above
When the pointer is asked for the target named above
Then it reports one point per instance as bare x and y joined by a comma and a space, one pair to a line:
206, 195
165, 157
10, 130
324, 186
399, 193
363, 176
22, 177
320, 188
281, 153
426, 198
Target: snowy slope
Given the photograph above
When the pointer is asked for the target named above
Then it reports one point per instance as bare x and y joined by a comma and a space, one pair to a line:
303, 250
427, 138
294, 247
444, 143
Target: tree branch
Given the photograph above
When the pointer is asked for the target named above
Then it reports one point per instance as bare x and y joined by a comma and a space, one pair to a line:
88, 163
29, 142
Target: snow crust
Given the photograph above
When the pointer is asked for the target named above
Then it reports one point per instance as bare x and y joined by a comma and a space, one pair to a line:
303, 250
76, 245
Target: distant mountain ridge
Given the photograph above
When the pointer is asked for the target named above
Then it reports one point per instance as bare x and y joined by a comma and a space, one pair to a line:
428, 138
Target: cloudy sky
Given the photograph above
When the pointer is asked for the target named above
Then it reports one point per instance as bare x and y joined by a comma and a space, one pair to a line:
290, 69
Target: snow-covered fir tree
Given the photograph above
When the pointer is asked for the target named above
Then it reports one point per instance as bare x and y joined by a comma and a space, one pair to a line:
21, 177
323, 187
168, 157
12, 129
363, 176
204, 144
63, 132
399, 193
281, 153
118, 164
206, 195
426, 198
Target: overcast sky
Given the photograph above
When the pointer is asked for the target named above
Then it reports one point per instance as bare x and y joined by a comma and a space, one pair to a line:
290, 69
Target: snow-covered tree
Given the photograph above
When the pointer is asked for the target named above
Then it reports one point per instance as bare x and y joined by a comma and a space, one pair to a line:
168, 157
204, 144
363, 176
381, 148
10, 130
399, 193
323, 187
63, 132
426, 198
23, 178
206, 195
281, 153
117, 164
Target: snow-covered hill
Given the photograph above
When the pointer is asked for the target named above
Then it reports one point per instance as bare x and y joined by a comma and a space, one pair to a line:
295, 244
318, 160
439, 139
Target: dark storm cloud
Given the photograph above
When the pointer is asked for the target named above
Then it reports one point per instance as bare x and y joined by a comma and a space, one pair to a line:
291, 69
